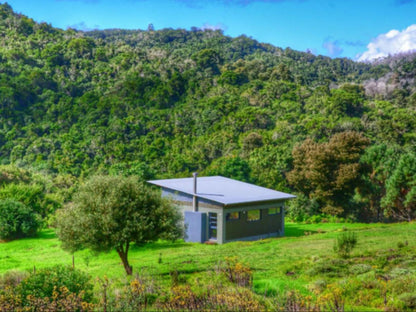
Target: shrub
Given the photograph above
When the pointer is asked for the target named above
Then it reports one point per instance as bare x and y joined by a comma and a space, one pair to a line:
360, 268
12, 279
409, 300
301, 208
184, 298
53, 281
345, 243
17, 220
296, 302
61, 300
136, 295
237, 272
328, 268
314, 219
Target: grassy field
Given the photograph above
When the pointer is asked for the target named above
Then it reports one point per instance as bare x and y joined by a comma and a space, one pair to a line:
303, 260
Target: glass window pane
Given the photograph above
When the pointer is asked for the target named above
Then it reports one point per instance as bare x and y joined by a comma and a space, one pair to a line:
272, 211
253, 215
233, 215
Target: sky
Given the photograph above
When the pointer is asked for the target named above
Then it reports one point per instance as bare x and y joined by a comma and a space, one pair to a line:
361, 30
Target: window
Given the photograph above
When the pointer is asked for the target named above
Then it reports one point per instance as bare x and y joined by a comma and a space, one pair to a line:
253, 215
233, 216
273, 211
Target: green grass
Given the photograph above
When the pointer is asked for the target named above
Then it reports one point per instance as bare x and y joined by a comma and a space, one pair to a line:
263, 256
278, 264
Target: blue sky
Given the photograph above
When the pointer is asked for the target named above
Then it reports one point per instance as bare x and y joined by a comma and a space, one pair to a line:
357, 29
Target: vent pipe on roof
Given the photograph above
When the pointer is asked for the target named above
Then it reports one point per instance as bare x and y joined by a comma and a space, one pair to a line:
195, 200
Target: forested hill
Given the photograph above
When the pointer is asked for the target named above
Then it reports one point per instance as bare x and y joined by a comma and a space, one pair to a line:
165, 103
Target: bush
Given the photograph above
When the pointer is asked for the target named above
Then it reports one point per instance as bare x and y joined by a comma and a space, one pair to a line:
17, 220
409, 300
56, 281
345, 243
12, 279
302, 208
360, 268
328, 268
238, 273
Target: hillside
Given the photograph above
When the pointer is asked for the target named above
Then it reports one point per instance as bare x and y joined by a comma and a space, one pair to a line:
166, 103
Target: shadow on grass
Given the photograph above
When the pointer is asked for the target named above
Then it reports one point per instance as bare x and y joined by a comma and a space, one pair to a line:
291, 230
159, 245
47, 234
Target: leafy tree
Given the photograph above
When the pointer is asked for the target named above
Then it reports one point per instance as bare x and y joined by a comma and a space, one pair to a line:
17, 220
329, 172
380, 160
111, 212
207, 58
233, 167
32, 195
400, 199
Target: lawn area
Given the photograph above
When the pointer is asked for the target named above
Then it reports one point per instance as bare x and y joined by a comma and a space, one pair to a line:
302, 241
299, 261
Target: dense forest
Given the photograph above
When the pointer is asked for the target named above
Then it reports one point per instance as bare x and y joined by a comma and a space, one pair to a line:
165, 103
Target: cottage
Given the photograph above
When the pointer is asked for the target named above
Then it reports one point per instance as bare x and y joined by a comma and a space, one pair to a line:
222, 210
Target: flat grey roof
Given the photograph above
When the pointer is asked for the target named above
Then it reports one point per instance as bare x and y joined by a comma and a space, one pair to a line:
223, 190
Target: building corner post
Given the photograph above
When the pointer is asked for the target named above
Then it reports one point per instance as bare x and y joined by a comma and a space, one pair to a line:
195, 198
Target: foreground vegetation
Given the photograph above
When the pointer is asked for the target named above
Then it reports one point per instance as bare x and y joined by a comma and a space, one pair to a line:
300, 270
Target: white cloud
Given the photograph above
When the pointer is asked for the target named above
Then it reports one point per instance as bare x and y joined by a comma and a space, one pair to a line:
213, 27
83, 27
390, 43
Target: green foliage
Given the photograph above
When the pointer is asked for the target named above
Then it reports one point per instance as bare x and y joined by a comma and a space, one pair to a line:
302, 208
17, 220
400, 199
164, 103
45, 282
360, 268
345, 243
32, 196
234, 168
328, 267
12, 174
110, 212
50, 289
329, 172
408, 300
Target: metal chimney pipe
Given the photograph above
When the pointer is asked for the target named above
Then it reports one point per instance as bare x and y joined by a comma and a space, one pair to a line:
195, 200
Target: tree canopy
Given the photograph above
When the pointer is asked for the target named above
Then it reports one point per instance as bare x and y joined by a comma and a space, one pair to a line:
111, 212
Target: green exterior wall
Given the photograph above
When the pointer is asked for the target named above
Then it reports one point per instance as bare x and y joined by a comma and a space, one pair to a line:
241, 229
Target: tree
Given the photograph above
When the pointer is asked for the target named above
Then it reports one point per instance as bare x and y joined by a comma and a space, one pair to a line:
380, 159
329, 172
232, 167
400, 199
111, 212
17, 220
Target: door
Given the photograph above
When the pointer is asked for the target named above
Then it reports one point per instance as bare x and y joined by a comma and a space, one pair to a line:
212, 226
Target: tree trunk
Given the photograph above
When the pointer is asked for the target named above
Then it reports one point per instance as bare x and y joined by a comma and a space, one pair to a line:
123, 253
